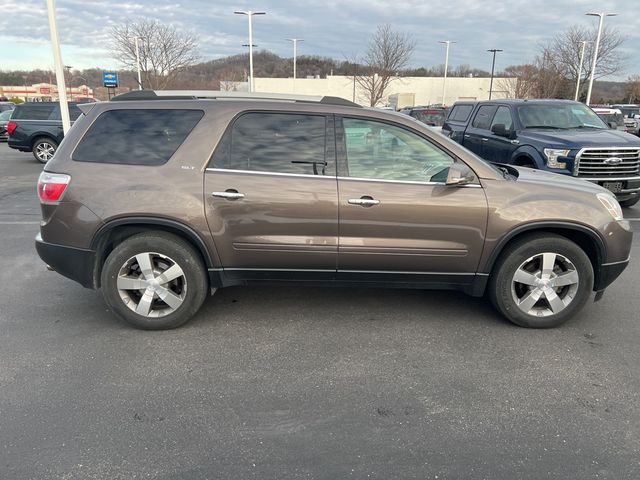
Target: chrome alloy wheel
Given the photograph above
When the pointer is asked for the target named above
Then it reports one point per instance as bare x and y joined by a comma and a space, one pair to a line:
45, 151
152, 285
545, 284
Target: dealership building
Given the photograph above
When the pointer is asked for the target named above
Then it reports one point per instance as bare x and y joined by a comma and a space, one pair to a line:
44, 92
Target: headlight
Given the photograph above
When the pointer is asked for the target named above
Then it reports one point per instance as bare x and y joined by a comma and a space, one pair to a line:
552, 155
611, 204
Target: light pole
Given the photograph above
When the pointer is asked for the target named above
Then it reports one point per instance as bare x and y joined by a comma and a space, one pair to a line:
57, 60
250, 14
584, 44
26, 96
68, 69
295, 54
595, 50
136, 38
446, 68
493, 66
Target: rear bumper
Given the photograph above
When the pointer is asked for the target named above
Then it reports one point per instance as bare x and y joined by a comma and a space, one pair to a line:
607, 273
74, 263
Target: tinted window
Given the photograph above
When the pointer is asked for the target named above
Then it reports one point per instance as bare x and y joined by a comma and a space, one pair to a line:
275, 142
381, 151
136, 137
482, 119
435, 118
33, 112
460, 113
503, 116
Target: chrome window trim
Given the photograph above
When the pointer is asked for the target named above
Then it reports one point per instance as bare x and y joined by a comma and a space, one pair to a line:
261, 172
409, 182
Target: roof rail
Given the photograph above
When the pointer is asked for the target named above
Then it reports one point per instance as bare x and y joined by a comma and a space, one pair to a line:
213, 94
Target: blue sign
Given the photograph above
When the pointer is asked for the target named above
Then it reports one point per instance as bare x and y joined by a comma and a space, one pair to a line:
110, 79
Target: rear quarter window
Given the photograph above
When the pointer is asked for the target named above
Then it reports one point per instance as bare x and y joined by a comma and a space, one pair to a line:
136, 137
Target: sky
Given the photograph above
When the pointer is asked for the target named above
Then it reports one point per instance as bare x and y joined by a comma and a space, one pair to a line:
333, 28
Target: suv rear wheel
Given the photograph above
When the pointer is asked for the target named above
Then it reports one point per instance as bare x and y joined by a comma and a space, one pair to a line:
44, 148
541, 281
154, 281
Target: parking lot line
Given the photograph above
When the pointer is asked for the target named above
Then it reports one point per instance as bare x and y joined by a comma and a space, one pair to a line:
19, 223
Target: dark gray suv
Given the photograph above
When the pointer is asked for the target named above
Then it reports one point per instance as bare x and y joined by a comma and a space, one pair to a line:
159, 198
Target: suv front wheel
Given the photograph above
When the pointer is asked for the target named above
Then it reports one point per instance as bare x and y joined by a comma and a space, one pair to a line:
541, 280
154, 281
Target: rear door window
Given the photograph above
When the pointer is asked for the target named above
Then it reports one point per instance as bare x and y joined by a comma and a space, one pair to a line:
460, 113
482, 120
136, 137
276, 143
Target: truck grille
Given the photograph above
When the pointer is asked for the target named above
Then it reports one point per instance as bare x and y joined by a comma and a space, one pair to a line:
608, 162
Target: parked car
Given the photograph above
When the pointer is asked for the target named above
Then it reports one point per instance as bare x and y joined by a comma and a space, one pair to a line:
4, 119
432, 116
37, 127
160, 201
559, 136
7, 106
631, 113
612, 117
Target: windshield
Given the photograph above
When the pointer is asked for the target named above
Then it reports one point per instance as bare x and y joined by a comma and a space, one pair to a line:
6, 115
562, 116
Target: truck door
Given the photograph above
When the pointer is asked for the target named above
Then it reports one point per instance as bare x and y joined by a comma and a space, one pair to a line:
499, 148
478, 131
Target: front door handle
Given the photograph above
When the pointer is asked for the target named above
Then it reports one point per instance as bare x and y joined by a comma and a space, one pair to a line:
365, 201
485, 139
229, 194
466, 135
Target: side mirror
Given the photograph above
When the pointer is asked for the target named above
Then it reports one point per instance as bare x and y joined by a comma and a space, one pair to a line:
500, 130
460, 174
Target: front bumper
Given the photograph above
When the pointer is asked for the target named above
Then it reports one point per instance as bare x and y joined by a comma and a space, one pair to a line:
607, 273
74, 263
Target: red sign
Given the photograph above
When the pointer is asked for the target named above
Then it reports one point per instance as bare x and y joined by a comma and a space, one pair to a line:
45, 90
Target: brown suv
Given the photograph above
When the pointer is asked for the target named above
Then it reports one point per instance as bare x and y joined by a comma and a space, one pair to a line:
159, 198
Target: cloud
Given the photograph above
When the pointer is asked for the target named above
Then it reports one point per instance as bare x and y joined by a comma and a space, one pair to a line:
335, 28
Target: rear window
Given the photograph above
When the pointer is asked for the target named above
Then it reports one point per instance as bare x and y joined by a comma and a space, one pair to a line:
136, 137
434, 118
33, 112
460, 113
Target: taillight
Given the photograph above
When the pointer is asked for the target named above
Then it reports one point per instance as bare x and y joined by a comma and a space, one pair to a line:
51, 186
11, 127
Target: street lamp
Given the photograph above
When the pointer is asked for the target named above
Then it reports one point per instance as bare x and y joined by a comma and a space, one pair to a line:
68, 69
250, 14
595, 51
295, 54
136, 38
493, 66
446, 68
584, 44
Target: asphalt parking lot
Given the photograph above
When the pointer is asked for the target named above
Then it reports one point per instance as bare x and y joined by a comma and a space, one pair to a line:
279, 383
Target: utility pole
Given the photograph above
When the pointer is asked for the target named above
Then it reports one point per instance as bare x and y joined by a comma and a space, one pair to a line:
595, 50
584, 44
250, 14
295, 54
493, 66
446, 68
57, 59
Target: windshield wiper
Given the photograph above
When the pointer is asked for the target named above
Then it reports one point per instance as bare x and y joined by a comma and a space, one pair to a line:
544, 126
586, 126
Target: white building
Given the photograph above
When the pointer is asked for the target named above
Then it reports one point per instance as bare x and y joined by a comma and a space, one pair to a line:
42, 92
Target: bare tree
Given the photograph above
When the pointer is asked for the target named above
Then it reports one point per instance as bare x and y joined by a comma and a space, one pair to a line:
388, 53
164, 51
519, 81
563, 52
632, 90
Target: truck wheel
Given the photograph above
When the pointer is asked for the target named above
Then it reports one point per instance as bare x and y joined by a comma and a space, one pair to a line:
44, 149
154, 281
540, 281
630, 202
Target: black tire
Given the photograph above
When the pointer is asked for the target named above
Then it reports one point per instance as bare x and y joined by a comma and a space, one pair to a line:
44, 148
163, 249
524, 253
630, 202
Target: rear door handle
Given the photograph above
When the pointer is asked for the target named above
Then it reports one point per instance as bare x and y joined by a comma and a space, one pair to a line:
364, 201
466, 135
228, 194
485, 139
